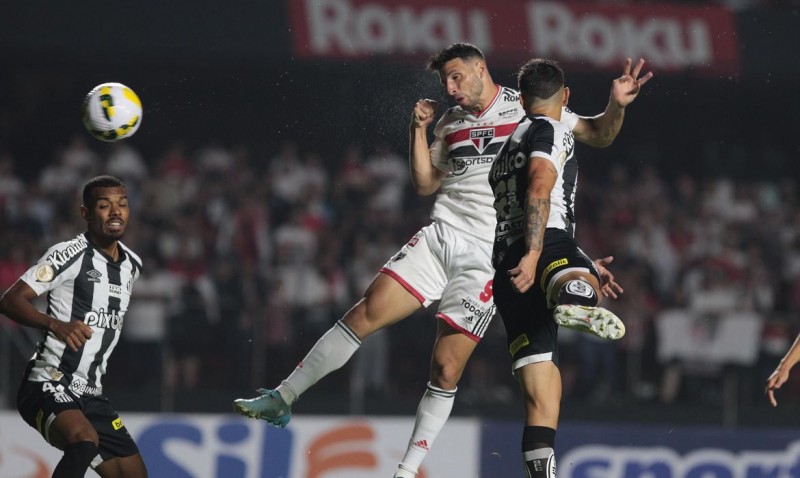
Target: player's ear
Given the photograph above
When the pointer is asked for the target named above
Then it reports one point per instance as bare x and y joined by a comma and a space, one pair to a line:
565, 98
85, 213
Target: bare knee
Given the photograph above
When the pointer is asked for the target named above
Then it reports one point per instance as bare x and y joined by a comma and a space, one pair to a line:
123, 467
445, 373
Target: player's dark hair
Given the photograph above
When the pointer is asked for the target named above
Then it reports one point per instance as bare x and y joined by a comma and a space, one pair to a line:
540, 78
465, 51
104, 181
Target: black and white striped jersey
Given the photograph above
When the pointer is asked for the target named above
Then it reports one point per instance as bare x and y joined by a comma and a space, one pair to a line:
82, 283
544, 137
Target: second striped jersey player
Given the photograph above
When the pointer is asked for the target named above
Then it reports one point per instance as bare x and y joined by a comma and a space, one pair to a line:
87, 281
82, 283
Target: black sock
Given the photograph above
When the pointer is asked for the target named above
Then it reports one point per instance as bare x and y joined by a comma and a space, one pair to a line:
537, 451
76, 460
577, 292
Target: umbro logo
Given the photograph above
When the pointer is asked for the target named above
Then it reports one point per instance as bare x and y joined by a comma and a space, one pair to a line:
94, 275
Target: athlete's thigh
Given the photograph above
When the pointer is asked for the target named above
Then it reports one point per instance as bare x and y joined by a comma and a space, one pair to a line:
532, 333
467, 303
418, 265
55, 412
385, 302
562, 260
114, 439
123, 467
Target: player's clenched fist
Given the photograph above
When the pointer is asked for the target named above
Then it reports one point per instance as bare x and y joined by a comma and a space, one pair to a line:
74, 333
424, 112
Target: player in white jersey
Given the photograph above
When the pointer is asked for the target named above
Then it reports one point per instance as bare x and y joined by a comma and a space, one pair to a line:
88, 281
449, 260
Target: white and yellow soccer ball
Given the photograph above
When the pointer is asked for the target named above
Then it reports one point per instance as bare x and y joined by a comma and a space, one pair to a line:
112, 112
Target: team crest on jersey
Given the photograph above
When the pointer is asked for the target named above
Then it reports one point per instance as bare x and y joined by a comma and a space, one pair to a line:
481, 138
45, 272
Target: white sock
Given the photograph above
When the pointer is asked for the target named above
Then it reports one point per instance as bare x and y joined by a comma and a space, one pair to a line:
432, 413
330, 352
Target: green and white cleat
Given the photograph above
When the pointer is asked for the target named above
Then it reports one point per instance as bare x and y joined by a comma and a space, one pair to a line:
594, 320
270, 407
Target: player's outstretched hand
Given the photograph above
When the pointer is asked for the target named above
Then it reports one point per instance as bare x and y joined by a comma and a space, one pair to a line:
74, 333
625, 88
424, 113
774, 382
608, 285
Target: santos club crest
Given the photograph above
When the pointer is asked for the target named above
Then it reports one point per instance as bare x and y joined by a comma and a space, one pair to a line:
481, 137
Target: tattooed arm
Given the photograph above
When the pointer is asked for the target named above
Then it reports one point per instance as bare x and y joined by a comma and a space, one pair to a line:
541, 179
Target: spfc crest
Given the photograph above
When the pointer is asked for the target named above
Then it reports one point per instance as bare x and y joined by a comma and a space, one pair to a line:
481, 138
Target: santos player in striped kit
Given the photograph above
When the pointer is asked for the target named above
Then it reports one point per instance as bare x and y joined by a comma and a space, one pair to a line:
449, 260
88, 282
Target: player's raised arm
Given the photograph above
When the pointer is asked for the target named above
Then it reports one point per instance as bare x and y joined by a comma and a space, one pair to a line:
601, 130
424, 175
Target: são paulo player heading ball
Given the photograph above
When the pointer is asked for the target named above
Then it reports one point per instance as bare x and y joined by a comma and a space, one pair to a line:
111, 112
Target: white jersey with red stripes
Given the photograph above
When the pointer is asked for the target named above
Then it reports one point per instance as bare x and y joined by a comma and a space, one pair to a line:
465, 146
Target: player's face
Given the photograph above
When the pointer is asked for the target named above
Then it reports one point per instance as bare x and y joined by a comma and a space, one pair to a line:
462, 80
108, 217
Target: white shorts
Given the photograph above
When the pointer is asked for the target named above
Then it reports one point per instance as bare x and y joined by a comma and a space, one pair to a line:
442, 263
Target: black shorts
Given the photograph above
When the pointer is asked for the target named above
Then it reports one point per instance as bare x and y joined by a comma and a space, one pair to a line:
39, 403
528, 318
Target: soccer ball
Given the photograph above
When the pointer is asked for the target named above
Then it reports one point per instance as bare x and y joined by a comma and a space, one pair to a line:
111, 112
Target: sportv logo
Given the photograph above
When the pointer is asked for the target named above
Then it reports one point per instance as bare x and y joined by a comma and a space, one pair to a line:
658, 462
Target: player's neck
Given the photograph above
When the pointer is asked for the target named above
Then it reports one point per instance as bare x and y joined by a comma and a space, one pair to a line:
109, 247
489, 94
550, 110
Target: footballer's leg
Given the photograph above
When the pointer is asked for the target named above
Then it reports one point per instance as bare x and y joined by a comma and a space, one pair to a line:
123, 467
450, 355
71, 432
385, 302
541, 389
578, 299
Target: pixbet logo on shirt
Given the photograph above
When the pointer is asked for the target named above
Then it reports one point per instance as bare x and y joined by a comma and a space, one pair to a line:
104, 320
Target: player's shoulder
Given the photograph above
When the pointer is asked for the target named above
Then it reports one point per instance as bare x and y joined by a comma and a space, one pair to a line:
541, 126
507, 95
136, 261
59, 258
65, 252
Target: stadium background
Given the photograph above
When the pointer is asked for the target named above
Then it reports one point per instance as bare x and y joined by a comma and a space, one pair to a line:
269, 183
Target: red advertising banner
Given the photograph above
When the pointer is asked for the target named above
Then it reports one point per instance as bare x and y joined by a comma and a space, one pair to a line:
673, 38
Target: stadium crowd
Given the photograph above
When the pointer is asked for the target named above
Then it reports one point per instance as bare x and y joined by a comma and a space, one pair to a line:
248, 260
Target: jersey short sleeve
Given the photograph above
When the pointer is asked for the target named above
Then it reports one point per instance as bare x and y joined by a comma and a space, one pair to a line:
540, 142
569, 118
44, 276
